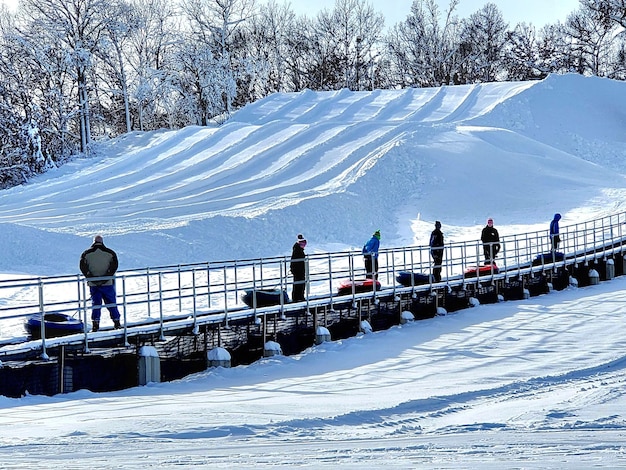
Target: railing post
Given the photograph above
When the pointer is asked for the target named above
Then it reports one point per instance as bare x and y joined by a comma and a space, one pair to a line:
149, 293
180, 291
208, 284
254, 288
236, 280
124, 305
194, 295
330, 286
282, 285
78, 292
225, 275
162, 337
353, 279
44, 354
604, 242
393, 271
84, 301
194, 300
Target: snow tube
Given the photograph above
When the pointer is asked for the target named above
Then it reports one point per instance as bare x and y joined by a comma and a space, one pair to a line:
364, 285
264, 297
404, 278
55, 324
547, 258
481, 271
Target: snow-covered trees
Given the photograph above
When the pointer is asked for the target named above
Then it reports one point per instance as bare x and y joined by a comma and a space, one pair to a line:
75, 70
424, 48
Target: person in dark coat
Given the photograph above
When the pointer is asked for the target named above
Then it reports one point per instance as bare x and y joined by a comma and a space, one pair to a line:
490, 239
555, 238
95, 262
298, 269
436, 250
370, 256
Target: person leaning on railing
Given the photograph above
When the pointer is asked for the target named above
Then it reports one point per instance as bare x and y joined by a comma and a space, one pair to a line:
95, 262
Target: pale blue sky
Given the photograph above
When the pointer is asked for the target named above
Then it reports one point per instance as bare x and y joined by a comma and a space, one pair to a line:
537, 12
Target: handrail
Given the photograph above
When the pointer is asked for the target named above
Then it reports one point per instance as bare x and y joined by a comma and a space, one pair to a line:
191, 292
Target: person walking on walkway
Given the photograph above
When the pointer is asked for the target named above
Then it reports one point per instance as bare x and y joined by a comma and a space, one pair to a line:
98, 261
298, 269
490, 239
370, 256
554, 232
436, 250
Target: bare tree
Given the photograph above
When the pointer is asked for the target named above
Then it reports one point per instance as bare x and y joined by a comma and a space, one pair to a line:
351, 31
423, 46
521, 59
267, 45
614, 10
482, 44
591, 34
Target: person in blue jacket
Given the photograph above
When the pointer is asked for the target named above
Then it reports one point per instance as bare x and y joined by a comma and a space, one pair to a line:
554, 232
370, 256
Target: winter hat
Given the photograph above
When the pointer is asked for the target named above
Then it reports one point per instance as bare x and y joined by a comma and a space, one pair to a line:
489, 221
377, 234
301, 238
437, 224
98, 239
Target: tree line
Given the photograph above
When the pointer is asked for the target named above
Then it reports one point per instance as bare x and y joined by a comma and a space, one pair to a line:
72, 71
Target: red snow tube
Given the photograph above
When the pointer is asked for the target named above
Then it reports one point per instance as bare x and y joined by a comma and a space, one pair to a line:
363, 285
481, 271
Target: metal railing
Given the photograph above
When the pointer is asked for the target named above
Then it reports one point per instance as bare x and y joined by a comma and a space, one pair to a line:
158, 298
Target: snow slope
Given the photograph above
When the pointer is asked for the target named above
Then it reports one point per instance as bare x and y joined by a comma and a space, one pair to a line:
334, 165
537, 384
534, 384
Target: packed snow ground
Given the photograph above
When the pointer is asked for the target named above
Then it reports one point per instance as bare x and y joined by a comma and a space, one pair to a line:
536, 384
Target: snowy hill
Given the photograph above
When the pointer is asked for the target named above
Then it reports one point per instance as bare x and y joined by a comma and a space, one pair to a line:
534, 384
336, 166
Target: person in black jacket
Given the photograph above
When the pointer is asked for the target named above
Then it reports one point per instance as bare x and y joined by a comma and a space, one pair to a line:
490, 239
96, 262
298, 269
436, 250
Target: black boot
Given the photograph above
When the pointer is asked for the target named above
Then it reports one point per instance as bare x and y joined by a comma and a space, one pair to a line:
116, 324
96, 326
